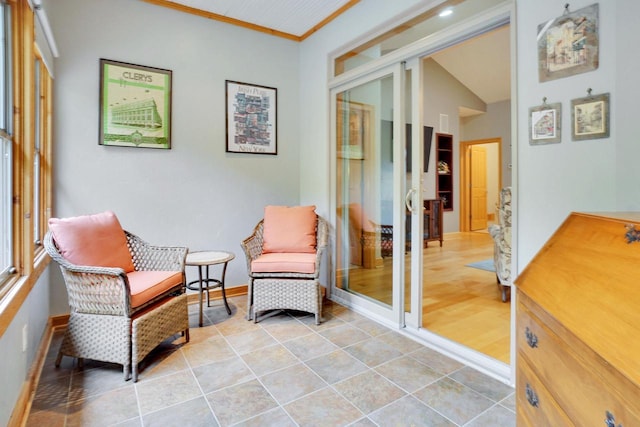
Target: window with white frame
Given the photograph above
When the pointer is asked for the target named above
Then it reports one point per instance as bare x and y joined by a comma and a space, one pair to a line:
6, 169
37, 152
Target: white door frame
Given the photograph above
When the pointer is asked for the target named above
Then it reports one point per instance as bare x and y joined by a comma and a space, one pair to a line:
393, 316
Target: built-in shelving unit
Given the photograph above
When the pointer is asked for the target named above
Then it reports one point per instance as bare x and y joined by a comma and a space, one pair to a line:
444, 170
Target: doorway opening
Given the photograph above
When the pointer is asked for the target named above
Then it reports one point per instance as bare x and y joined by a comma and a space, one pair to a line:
462, 303
480, 182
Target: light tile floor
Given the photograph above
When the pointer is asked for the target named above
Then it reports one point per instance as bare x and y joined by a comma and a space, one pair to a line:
283, 371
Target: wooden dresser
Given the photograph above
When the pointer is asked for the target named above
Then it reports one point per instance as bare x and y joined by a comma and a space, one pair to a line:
578, 327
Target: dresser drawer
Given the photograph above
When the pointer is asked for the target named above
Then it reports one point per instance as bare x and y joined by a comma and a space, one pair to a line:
535, 404
585, 387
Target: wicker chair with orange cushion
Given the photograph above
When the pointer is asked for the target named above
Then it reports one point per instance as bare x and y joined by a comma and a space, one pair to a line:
283, 260
125, 295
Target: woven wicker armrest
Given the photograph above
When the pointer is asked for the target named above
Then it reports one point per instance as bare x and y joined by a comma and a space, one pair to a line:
147, 257
91, 289
93, 292
322, 233
252, 245
321, 242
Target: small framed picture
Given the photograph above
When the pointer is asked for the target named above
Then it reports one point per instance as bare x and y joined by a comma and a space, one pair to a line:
251, 118
545, 124
590, 117
135, 105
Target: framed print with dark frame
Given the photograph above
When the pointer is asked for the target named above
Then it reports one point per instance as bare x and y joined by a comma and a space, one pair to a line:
135, 105
354, 123
251, 118
568, 44
590, 117
545, 124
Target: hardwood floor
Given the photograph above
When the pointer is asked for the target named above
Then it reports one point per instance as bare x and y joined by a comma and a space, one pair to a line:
463, 303
460, 303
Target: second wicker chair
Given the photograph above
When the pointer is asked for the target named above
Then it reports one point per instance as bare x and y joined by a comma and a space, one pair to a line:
283, 261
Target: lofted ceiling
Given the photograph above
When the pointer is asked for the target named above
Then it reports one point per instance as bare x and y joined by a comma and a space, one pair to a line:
482, 64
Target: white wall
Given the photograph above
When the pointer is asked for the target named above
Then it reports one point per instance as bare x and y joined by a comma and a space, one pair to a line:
625, 101
556, 179
16, 363
194, 194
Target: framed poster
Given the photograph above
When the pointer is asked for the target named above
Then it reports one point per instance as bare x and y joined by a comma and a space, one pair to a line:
545, 124
251, 118
135, 105
354, 124
590, 117
568, 44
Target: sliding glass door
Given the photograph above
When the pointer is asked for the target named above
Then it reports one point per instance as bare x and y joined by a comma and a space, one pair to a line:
373, 251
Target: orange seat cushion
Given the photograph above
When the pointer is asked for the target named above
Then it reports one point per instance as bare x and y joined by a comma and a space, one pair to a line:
285, 263
147, 285
92, 240
289, 229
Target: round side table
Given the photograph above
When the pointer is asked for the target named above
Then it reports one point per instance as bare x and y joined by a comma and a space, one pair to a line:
205, 283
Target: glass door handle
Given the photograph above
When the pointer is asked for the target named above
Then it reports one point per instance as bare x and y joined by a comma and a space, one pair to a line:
408, 199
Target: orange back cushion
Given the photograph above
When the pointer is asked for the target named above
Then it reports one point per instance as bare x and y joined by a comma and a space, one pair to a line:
289, 229
93, 240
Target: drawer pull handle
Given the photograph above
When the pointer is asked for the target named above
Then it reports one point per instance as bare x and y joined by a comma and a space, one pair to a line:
532, 339
532, 397
611, 420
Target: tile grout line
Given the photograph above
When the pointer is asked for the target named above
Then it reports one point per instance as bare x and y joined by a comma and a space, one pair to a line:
203, 394
257, 378
313, 334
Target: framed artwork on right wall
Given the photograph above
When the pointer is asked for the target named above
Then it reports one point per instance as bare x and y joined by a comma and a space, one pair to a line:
568, 44
590, 117
545, 124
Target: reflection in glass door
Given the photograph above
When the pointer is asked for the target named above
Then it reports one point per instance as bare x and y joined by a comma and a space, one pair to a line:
371, 254
372, 275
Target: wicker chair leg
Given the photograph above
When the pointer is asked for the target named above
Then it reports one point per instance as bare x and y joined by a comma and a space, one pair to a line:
319, 308
250, 299
186, 335
505, 291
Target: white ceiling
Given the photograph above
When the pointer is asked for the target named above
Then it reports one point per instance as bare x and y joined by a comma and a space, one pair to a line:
295, 17
482, 64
